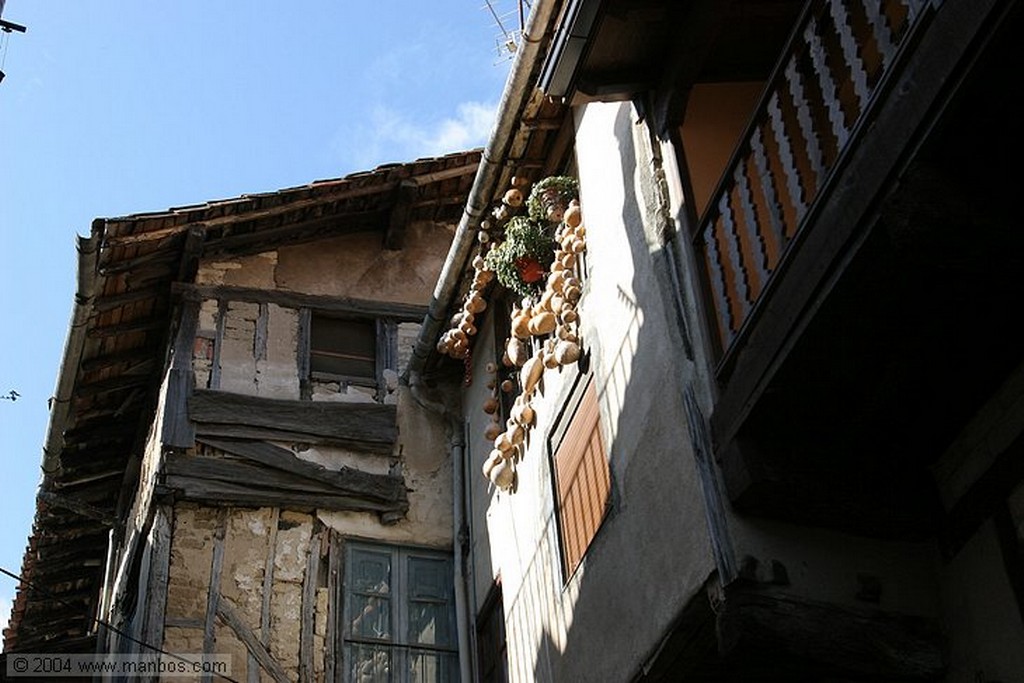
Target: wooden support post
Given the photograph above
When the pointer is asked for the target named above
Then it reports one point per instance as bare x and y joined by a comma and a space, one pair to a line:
159, 573
177, 429
268, 590
331, 657
306, 632
233, 620
213, 594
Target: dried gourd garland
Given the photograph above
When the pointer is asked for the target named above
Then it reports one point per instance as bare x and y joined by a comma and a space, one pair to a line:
536, 257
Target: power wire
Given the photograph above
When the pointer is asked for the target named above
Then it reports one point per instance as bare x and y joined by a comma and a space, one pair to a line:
24, 582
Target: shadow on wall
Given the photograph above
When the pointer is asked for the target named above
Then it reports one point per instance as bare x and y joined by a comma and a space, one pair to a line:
651, 554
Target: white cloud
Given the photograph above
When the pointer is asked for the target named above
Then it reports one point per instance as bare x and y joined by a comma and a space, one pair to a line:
392, 136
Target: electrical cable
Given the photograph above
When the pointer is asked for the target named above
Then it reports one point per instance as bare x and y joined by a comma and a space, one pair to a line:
97, 620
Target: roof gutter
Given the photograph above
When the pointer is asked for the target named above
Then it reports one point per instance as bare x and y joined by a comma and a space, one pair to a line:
74, 345
514, 98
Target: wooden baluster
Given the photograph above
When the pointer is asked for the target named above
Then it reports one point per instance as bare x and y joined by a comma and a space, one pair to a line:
883, 32
827, 83
794, 187
851, 52
716, 275
768, 191
915, 7
806, 122
740, 277
753, 230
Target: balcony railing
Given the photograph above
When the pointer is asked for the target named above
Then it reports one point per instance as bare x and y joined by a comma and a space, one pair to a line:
824, 90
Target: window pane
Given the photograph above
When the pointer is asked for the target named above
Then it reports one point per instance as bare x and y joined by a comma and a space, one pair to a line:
370, 617
428, 624
429, 578
429, 608
368, 663
369, 608
432, 667
343, 347
371, 572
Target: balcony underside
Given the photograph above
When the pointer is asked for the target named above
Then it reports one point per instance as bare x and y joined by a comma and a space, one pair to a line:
896, 334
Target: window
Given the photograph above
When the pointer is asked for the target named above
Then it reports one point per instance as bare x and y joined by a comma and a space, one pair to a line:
399, 616
344, 348
491, 644
581, 477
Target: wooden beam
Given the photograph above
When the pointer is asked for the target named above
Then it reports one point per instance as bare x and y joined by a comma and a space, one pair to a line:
213, 593
223, 493
143, 325
334, 601
109, 302
703, 23
191, 252
366, 425
159, 574
268, 589
302, 357
85, 509
767, 627
230, 617
138, 359
178, 431
218, 343
405, 195
403, 312
257, 239
985, 498
161, 256
115, 383
347, 479
306, 628
348, 482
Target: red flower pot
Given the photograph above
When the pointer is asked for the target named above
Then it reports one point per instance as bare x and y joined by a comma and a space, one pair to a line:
529, 269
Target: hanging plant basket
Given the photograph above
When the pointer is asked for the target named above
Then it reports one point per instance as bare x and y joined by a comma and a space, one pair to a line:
550, 198
522, 260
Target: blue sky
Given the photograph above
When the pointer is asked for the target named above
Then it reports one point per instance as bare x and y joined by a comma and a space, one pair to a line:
111, 108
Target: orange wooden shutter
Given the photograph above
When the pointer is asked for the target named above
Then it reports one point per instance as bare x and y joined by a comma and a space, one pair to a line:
582, 480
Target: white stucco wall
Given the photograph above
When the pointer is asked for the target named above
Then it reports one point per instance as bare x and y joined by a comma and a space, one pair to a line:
652, 553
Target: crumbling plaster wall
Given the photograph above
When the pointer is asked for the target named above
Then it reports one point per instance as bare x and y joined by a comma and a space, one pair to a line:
258, 348
258, 356
264, 557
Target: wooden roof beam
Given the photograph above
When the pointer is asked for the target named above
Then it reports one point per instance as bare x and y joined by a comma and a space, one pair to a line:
405, 195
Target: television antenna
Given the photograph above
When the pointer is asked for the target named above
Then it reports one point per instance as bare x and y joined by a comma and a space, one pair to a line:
510, 23
6, 28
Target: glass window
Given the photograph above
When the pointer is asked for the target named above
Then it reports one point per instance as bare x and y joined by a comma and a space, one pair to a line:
343, 348
399, 616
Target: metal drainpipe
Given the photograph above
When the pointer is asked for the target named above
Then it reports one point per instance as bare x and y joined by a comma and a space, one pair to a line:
88, 256
462, 617
513, 99
460, 538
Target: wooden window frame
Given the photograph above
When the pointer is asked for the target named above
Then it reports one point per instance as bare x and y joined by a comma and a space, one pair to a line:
385, 352
491, 634
399, 599
581, 404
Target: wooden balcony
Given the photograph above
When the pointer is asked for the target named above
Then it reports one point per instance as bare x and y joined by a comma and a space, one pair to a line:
860, 257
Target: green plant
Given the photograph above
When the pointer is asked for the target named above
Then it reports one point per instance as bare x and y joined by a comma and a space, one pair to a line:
525, 241
549, 198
